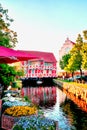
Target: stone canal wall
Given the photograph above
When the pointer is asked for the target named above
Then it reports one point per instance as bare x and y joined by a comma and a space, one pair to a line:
77, 89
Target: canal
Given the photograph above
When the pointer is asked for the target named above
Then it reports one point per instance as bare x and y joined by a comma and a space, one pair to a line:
57, 105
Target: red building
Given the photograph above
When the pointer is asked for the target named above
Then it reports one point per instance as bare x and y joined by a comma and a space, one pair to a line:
43, 66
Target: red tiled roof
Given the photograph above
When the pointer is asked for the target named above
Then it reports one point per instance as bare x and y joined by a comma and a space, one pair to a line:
46, 56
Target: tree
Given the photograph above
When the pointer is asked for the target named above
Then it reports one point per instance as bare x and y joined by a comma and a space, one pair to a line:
85, 34
64, 61
72, 65
75, 62
79, 40
84, 51
7, 74
8, 37
84, 56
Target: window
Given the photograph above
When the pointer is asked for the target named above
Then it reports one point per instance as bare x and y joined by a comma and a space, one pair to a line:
67, 49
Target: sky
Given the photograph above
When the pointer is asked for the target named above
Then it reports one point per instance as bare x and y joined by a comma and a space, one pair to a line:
44, 25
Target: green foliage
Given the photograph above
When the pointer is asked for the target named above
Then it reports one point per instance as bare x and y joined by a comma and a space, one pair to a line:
17, 127
8, 37
20, 73
84, 56
7, 74
27, 99
75, 61
79, 39
64, 61
78, 56
85, 34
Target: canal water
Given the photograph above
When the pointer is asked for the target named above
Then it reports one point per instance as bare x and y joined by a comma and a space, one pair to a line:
56, 105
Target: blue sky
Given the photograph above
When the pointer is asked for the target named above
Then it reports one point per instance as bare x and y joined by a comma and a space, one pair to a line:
44, 25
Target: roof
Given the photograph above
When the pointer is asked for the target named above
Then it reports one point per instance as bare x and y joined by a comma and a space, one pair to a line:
46, 56
69, 41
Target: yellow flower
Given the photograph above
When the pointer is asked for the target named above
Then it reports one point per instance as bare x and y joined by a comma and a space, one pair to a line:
20, 111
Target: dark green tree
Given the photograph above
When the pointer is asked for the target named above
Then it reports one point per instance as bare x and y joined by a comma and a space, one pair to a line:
64, 61
7, 74
8, 38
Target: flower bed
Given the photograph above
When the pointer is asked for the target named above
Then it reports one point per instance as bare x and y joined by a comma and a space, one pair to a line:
24, 116
35, 123
12, 115
8, 104
17, 111
15, 103
28, 123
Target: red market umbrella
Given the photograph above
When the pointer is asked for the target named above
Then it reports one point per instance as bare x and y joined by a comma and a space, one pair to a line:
8, 55
22, 55
8, 60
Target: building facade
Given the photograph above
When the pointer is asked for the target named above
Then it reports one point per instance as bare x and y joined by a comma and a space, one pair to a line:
42, 67
67, 46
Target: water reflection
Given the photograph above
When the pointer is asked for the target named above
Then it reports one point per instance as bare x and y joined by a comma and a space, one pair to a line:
76, 117
42, 96
56, 105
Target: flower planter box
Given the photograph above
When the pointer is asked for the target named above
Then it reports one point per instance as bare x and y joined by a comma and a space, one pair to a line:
0, 107
57, 125
7, 122
12, 114
0, 104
